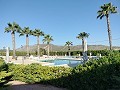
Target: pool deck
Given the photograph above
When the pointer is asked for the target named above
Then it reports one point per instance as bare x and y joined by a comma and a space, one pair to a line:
30, 60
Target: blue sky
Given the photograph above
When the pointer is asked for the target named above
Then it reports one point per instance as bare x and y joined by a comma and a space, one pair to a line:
62, 19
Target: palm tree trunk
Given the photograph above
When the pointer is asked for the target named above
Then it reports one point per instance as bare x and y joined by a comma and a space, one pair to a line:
69, 50
48, 50
69, 53
83, 46
13, 43
109, 32
38, 45
85, 58
27, 45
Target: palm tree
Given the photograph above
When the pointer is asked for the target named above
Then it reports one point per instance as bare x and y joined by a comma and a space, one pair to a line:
13, 27
68, 43
38, 33
26, 31
47, 39
82, 36
106, 10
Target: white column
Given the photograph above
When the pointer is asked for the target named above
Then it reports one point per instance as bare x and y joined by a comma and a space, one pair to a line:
85, 46
100, 55
85, 57
7, 54
90, 54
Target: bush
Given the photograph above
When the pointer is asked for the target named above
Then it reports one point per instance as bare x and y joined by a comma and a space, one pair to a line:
102, 74
3, 65
99, 74
35, 73
17, 71
4, 75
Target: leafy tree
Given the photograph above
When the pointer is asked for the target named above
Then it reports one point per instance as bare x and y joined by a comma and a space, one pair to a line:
105, 11
47, 39
13, 27
68, 44
38, 33
26, 31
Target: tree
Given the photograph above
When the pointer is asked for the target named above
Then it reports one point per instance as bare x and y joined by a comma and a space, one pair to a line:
38, 33
105, 11
13, 27
47, 39
68, 44
82, 36
26, 31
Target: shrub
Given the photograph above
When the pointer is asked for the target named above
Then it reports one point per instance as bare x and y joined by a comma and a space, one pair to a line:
99, 74
3, 65
35, 73
102, 74
4, 75
17, 71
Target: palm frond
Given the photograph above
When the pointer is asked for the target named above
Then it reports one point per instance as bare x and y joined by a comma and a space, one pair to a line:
21, 34
83, 35
9, 25
99, 16
47, 39
68, 43
12, 27
106, 9
38, 32
7, 30
102, 16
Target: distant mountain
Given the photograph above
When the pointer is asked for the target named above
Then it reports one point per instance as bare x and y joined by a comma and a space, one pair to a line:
64, 48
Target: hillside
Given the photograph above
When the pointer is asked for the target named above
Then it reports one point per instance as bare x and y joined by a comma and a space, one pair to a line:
64, 48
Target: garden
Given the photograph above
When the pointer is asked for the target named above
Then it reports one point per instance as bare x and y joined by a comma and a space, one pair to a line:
101, 74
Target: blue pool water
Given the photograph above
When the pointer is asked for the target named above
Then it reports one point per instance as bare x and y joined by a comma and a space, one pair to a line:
71, 63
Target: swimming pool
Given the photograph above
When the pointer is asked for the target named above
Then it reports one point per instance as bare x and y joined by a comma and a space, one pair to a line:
69, 62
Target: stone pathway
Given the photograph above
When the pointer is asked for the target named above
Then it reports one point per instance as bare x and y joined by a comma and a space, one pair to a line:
17, 85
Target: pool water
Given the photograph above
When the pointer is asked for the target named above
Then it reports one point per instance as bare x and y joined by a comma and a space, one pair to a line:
71, 63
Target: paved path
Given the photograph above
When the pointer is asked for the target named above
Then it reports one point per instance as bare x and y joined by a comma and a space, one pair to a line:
17, 85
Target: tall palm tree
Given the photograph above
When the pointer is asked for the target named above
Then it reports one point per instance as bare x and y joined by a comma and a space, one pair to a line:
68, 44
82, 36
13, 27
47, 39
26, 31
106, 10
38, 33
